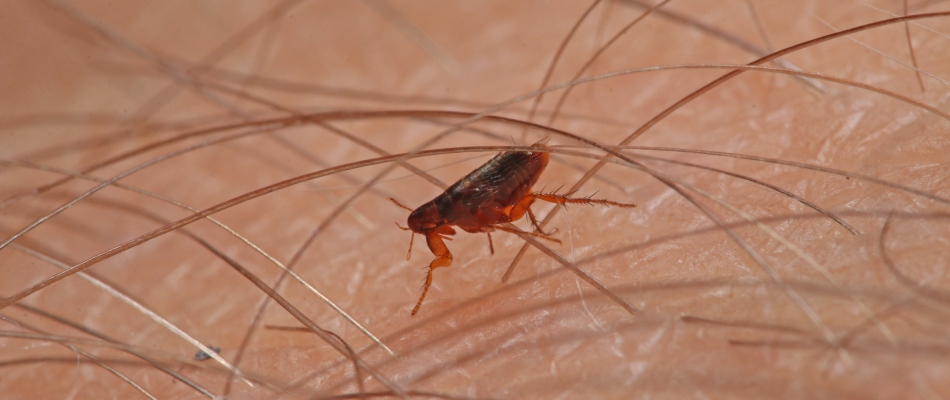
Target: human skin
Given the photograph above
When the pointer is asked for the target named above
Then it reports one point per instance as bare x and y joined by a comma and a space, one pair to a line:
80, 85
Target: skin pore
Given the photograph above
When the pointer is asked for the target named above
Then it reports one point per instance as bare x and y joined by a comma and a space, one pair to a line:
776, 299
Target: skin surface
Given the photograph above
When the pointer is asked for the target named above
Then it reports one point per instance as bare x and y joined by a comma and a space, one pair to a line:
95, 79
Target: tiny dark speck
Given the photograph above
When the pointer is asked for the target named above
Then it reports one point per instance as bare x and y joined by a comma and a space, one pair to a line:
201, 355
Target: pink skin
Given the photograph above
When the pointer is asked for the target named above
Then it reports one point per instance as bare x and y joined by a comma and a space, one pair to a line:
542, 334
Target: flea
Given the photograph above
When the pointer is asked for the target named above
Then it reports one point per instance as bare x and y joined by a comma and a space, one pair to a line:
495, 193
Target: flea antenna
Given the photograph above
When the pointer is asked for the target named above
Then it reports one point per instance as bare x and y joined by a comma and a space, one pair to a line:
400, 205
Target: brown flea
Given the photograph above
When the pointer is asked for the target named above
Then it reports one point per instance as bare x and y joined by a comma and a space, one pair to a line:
496, 193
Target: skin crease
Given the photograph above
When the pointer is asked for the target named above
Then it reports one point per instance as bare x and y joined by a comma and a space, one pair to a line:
712, 323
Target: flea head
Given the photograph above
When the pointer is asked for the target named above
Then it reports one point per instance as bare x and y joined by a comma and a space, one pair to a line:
425, 218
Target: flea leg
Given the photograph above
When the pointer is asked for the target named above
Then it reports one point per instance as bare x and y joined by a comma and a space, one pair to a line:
563, 199
490, 246
443, 258
535, 234
537, 227
412, 238
520, 208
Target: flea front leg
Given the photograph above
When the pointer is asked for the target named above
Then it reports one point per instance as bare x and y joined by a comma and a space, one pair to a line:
443, 258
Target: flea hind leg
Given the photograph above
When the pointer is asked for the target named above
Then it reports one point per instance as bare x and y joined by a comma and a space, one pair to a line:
563, 199
443, 258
